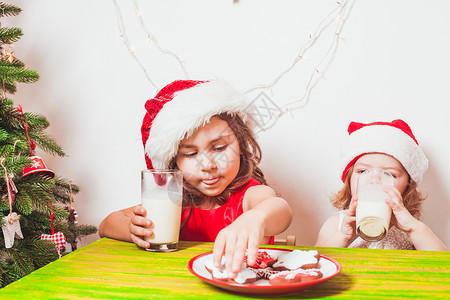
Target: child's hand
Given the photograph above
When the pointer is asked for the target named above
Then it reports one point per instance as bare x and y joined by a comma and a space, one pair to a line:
402, 217
348, 227
233, 241
138, 226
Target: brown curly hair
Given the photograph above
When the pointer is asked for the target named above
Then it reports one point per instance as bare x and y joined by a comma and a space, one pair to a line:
250, 158
412, 198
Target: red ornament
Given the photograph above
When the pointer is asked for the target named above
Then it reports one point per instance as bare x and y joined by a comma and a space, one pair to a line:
58, 238
37, 167
12, 188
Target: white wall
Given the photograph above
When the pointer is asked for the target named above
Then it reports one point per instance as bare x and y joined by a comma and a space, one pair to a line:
392, 62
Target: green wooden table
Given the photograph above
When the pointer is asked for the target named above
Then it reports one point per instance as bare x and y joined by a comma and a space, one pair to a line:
110, 269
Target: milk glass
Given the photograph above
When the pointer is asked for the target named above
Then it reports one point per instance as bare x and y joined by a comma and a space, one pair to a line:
161, 196
373, 215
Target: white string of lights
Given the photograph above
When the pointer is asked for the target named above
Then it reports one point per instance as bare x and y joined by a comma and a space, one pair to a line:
337, 16
124, 36
152, 39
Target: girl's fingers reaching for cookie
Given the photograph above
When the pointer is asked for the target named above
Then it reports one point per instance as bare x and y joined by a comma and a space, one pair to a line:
252, 252
230, 250
218, 251
238, 255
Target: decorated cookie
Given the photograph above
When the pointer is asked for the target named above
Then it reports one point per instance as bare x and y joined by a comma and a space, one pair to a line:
297, 259
245, 275
299, 275
265, 273
263, 260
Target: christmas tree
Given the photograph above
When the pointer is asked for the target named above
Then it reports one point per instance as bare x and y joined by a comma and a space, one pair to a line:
36, 213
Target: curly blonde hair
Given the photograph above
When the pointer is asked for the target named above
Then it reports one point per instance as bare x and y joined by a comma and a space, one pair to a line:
412, 198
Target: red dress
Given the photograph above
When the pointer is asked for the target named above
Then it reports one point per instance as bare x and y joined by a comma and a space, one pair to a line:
205, 224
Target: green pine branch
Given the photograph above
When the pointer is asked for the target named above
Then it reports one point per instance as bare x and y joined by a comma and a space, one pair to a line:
35, 121
11, 121
7, 10
11, 75
9, 115
61, 190
9, 35
27, 255
35, 193
41, 252
35, 224
47, 143
4, 207
17, 64
10, 88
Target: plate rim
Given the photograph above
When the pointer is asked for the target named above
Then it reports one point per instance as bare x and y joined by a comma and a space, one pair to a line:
249, 288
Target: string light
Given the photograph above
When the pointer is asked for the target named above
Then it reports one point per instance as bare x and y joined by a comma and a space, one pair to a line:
151, 38
124, 37
337, 16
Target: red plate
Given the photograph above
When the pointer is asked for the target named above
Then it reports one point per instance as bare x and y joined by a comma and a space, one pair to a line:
329, 267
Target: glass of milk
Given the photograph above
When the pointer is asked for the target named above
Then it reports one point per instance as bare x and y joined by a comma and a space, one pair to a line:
161, 196
373, 215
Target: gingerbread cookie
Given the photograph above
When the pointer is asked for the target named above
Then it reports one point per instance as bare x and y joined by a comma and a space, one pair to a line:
245, 275
263, 260
265, 273
299, 275
297, 259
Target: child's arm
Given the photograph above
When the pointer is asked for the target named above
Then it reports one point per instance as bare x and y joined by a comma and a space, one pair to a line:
331, 236
127, 225
424, 239
421, 235
264, 215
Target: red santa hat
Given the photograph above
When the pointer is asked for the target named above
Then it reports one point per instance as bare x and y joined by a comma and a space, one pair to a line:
393, 138
181, 107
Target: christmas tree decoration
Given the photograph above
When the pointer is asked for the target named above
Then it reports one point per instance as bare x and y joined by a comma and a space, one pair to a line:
12, 188
58, 238
31, 143
11, 229
9, 55
73, 216
37, 167
33, 192
75, 231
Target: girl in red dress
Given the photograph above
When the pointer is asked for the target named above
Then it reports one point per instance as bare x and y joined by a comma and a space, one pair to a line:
204, 129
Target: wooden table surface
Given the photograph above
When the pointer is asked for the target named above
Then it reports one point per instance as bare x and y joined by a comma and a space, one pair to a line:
110, 269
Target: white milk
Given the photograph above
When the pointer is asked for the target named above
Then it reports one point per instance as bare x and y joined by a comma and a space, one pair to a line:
165, 214
373, 215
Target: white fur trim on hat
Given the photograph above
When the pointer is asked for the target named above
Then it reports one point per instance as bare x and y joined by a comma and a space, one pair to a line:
388, 140
188, 110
